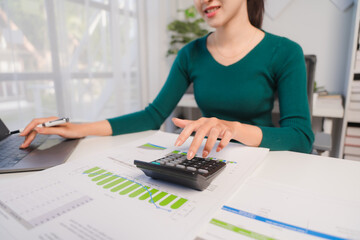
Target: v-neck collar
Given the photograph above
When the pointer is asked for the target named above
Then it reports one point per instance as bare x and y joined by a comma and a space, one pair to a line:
238, 61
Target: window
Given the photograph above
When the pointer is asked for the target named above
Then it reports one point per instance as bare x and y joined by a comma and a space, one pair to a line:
75, 58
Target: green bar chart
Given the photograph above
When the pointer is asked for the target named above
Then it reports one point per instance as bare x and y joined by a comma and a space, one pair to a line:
126, 187
152, 146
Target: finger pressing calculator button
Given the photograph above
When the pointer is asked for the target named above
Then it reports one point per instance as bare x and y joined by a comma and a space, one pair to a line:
203, 171
191, 169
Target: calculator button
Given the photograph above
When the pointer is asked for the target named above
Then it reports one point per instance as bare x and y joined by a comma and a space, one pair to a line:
191, 169
203, 171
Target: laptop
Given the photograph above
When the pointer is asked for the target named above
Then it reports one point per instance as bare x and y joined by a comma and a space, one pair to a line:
44, 152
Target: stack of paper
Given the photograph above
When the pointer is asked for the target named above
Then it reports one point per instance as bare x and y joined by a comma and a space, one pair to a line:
106, 197
329, 104
353, 113
352, 143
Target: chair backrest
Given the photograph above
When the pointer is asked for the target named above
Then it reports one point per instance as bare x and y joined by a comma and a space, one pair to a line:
310, 61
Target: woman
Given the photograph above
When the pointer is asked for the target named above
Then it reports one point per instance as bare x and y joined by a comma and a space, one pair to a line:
236, 71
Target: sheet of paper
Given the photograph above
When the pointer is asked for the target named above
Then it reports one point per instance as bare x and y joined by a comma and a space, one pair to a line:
106, 197
268, 210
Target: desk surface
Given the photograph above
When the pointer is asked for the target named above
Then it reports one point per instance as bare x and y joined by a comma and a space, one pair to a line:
330, 176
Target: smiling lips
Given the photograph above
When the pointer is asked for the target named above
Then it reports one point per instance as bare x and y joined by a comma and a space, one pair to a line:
211, 11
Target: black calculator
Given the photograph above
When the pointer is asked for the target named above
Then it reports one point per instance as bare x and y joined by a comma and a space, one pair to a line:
196, 173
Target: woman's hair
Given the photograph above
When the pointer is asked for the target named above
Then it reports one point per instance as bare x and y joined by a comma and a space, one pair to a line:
256, 12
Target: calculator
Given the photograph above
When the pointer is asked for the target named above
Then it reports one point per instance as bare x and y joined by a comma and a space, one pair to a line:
196, 173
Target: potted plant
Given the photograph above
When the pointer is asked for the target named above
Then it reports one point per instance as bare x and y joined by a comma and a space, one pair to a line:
184, 31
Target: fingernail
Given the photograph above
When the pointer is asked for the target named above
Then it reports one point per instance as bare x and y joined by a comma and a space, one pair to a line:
177, 143
190, 155
205, 153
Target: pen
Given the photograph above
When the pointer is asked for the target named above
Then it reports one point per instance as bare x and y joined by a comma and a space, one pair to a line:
45, 124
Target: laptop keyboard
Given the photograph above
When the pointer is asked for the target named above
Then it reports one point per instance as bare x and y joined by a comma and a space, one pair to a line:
11, 154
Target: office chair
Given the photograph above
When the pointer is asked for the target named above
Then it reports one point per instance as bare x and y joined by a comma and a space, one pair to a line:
322, 140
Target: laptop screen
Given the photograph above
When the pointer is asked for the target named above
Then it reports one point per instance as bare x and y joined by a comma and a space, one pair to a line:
4, 131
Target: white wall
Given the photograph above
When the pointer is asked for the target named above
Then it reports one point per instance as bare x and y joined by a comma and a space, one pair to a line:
321, 29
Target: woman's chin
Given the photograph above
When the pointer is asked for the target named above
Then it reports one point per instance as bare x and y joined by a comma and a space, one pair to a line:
214, 23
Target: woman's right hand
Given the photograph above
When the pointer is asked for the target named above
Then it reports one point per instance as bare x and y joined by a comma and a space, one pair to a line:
66, 130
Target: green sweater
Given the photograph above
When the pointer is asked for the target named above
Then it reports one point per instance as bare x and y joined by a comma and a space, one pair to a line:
243, 91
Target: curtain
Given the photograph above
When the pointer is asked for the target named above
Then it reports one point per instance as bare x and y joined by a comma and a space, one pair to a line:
73, 58
84, 59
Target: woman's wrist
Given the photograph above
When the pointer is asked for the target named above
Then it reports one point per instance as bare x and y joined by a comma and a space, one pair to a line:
249, 135
100, 128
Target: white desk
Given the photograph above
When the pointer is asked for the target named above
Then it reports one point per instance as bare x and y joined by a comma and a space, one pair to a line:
331, 177
328, 175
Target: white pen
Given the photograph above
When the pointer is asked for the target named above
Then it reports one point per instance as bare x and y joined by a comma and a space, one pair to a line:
45, 124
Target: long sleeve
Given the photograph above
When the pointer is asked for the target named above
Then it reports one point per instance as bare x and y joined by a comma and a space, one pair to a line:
156, 112
295, 132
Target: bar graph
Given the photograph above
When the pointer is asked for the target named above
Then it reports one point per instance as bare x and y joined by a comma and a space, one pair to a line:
152, 146
127, 187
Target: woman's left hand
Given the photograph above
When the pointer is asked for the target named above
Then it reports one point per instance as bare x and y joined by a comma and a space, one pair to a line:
213, 128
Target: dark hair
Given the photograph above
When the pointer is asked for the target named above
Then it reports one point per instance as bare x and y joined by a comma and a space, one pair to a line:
256, 12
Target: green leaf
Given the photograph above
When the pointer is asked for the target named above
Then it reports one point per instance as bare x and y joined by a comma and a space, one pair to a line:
190, 12
183, 32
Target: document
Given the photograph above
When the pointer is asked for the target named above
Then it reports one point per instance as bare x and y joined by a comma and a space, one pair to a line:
268, 210
106, 197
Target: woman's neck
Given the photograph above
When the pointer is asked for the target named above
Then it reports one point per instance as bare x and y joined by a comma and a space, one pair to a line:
231, 37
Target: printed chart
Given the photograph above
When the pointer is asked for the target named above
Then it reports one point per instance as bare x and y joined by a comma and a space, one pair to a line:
133, 189
82, 200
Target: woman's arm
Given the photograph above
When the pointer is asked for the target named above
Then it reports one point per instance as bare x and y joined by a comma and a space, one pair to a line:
294, 133
66, 130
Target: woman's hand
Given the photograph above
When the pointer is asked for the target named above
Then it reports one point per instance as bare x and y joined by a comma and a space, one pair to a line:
66, 130
213, 128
